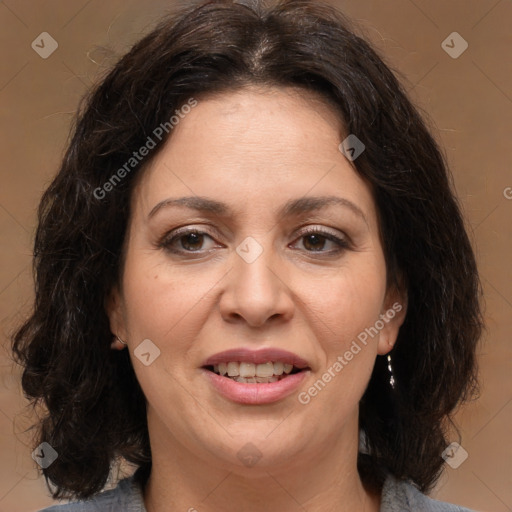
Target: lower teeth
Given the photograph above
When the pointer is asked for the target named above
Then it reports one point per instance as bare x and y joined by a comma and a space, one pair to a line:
256, 380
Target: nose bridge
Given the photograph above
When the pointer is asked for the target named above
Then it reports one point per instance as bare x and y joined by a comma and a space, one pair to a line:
255, 291
254, 267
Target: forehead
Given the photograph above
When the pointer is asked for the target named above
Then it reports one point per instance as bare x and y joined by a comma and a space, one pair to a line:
254, 146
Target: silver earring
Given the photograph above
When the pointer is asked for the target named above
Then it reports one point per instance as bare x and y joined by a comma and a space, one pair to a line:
126, 344
391, 378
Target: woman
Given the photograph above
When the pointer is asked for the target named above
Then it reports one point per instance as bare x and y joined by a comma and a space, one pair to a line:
253, 280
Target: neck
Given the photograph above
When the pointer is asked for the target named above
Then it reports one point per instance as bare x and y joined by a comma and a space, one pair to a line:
325, 481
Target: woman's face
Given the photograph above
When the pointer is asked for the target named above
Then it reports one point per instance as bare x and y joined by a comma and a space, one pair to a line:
284, 255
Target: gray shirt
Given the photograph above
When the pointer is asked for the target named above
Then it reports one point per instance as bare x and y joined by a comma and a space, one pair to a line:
397, 496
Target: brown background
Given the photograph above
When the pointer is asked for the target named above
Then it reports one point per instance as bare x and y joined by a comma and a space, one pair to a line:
469, 103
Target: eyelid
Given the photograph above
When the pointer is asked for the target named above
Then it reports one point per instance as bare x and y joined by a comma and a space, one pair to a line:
322, 229
184, 229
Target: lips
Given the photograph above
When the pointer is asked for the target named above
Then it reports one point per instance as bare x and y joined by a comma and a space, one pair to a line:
260, 356
244, 376
257, 393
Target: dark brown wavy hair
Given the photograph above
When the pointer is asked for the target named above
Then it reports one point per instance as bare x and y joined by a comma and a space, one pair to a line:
95, 410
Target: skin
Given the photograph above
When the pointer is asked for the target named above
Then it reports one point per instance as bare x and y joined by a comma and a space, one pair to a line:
253, 149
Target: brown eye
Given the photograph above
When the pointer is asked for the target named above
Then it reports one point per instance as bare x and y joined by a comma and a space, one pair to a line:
185, 241
191, 241
315, 240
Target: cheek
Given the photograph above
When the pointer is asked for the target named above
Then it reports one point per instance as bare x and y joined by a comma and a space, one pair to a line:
158, 296
348, 302
351, 303
163, 305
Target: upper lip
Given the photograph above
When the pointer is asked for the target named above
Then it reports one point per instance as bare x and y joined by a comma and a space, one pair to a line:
260, 356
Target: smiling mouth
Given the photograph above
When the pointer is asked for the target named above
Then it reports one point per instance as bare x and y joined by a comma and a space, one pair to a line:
250, 373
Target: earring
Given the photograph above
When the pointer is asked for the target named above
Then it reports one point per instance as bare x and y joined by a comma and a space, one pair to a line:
115, 346
391, 378
124, 343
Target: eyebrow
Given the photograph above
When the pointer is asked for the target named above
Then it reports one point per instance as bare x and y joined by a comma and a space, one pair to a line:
290, 208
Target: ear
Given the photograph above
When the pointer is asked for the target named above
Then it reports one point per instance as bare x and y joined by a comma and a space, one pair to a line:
392, 315
114, 310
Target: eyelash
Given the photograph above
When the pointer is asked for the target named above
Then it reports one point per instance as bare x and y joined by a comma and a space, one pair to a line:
167, 241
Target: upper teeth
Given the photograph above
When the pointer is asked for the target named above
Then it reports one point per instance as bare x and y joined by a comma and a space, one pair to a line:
242, 369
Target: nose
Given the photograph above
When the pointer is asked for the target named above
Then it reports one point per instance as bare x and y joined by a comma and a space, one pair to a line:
257, 292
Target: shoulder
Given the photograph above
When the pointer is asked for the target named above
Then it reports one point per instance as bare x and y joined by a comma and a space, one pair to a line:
403, 496
125, 497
